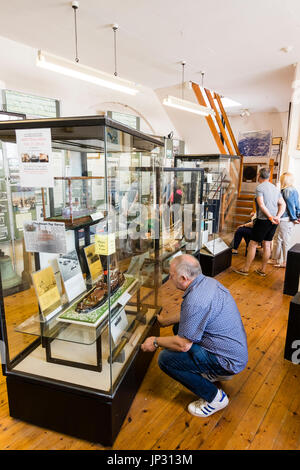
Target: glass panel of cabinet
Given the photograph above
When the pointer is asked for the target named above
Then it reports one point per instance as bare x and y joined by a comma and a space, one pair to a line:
181, 211
79, 288
219, 196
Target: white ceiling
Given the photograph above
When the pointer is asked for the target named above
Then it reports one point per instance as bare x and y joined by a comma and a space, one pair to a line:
236, 42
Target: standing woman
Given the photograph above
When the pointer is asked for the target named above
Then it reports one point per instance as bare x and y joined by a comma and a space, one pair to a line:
289, 219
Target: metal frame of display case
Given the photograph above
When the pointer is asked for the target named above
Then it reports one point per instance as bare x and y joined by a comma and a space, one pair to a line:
65, 407
11, 230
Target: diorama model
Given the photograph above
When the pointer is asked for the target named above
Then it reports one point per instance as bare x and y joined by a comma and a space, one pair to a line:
98, 294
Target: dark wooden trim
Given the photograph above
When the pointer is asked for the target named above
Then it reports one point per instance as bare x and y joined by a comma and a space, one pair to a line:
80, 121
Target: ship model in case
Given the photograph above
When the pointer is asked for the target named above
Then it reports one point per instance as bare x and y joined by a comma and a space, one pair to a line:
78, 205
98, 295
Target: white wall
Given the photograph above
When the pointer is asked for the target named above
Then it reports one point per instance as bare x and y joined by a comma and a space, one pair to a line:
19, 72
292, 156
195, 131
277, 122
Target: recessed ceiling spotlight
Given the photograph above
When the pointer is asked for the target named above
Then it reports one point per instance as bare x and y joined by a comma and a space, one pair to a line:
287, 49
245, 113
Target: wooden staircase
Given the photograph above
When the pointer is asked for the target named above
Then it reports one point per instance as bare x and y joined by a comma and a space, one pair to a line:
227, 145
234, 211
244, 206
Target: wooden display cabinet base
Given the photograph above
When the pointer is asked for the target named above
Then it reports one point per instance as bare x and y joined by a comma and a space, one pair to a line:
82, 413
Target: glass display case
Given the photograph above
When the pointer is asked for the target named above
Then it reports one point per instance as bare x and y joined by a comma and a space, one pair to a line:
72, 333
220, 189
219, 197
181, 210
73, 199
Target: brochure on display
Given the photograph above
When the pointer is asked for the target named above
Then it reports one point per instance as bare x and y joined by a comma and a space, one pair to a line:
216, 246
71, 275
93, 261
47, 292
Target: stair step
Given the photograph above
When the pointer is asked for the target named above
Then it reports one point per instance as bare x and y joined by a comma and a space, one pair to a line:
242, 218
244, 210
248, 204
248, 197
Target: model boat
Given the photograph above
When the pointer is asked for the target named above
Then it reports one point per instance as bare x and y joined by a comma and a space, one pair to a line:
98, 295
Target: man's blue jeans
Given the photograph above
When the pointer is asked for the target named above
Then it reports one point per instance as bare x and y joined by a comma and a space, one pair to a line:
187, 367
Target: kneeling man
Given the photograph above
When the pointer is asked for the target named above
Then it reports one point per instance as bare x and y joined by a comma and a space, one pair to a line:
209, 342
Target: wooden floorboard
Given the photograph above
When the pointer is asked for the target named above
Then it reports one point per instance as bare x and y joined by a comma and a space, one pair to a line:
264, 407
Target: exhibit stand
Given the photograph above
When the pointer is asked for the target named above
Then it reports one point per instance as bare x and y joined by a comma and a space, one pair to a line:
73, 330
292, 342
292, 271
93, 220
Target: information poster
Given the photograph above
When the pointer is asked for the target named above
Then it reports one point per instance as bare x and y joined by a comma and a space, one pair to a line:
71, 274
47, 292
93, 261
35, 158
30, 105
105, 244
21, 219
45, 237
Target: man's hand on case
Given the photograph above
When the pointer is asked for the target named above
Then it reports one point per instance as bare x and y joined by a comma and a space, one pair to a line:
148, 345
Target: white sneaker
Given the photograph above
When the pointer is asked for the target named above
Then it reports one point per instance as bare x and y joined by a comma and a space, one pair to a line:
204, 409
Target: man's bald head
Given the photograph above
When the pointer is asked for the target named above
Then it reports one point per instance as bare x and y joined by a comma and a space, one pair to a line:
187, 266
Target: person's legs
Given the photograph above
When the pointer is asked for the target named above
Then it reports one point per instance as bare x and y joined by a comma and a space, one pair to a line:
187, 367
250, 254
286, 231
267, 247
257, 235
277, 245
247, 234
238, 236
266, 255
247, 237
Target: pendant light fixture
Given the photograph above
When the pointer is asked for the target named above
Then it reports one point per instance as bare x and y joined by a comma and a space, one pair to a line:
75, 6
185, 105
115, 29
226, 102
82, 72
182, 81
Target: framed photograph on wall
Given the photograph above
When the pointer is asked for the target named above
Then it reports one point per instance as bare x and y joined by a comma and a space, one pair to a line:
255, 143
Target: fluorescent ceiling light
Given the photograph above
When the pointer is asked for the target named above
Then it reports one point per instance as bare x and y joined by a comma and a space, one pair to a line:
229, 103
189, 106
82, 72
